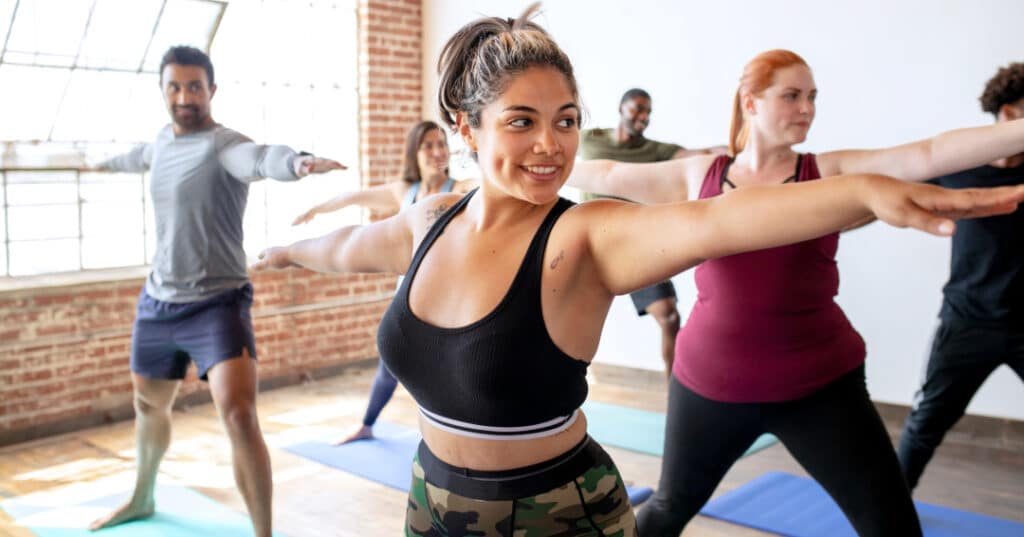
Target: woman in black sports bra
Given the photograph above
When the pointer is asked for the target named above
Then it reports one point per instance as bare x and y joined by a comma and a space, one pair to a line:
507, 289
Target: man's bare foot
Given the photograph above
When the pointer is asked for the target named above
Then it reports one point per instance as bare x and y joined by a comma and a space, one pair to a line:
363, 432
127, 512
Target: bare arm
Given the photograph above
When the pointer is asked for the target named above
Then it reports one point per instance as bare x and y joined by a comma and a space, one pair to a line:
712, 150
378, 198
465, 185
384, 246
943, 154
634, 246
656, 182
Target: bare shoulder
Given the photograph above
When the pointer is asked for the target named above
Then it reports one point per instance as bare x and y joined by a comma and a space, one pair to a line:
696, 167
588, 214
430, 209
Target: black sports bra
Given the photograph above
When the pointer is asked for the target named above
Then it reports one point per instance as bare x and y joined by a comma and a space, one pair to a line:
498, 377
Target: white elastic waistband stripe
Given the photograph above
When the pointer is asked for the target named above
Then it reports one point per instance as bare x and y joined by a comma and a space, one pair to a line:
509, 433
525, 428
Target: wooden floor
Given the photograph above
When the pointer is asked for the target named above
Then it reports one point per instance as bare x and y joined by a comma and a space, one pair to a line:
313, 502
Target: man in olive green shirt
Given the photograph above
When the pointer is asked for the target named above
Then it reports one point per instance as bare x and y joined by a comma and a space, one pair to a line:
626, 143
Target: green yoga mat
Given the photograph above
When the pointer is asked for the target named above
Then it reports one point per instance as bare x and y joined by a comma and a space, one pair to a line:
181, 512
638, 430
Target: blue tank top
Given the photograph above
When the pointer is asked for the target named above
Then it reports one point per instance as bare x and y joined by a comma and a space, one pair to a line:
410, 195
498, 377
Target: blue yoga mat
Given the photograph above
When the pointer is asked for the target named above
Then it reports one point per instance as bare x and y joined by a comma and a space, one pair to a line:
181, 512
798, 507
387, 458
637, 430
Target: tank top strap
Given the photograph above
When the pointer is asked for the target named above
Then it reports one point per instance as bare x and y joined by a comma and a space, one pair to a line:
535, 253
448, 185
432, 234
410, 195
808, 168
712, 179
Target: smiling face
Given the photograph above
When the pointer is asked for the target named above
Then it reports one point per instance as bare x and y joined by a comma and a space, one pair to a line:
635, 115
527, 139
783, 112
432, 155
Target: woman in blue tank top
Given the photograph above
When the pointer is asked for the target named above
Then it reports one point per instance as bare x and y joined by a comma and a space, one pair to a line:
507, 288
424, 172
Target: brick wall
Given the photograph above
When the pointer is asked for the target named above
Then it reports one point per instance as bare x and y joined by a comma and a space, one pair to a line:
389, 83
64, 349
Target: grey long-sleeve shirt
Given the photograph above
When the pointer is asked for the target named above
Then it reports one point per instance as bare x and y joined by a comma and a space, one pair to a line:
200, 185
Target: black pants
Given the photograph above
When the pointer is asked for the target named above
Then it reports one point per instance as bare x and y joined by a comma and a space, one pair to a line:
963, 355
835, 434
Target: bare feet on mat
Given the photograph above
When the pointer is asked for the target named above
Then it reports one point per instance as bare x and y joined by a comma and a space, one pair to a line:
360, 433
125, 513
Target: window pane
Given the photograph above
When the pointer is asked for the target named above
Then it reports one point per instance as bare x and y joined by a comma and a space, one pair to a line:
39, 257
39, 30
3, 238
241, 107
109, 252
334, 126
112, 221
123, 187
43, 222
144, 113
290, 117
6, 11
29, 97
254, 224
184, 22
93, 106
31, 188
118, 33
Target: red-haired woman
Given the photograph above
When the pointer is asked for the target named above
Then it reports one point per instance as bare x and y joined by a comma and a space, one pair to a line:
766, 348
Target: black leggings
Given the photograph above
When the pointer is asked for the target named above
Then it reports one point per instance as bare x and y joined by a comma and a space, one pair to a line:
963, 355
835, 434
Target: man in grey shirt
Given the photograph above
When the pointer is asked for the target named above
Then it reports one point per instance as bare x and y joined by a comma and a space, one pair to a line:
196, 303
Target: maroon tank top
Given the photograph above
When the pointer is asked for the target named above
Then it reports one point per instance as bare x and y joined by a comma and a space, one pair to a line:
765, 326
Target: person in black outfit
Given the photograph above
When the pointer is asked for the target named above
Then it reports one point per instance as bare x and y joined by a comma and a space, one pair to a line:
982, 315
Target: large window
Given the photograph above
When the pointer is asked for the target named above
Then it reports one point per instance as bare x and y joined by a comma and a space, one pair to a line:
84, 85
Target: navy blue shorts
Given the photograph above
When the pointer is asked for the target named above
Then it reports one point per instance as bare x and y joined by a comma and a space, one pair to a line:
168, 335
649, 295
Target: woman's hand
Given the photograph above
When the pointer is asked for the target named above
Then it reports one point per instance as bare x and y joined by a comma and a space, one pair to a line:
305, 217
933, 209
275, 258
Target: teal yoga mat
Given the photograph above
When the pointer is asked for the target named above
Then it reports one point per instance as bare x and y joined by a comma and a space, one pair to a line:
181, 512
638, 430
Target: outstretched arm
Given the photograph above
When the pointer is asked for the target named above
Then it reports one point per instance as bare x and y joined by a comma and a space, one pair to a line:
377, 198
657, 182
712, 150
136, 160
943, 154
634, 246
383, 246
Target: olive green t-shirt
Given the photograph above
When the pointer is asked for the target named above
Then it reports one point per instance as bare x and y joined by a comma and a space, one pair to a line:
602, 144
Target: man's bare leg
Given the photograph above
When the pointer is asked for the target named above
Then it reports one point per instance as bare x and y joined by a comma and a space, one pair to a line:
234, 384
153, 401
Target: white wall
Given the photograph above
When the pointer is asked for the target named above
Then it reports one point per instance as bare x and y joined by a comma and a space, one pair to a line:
887, 71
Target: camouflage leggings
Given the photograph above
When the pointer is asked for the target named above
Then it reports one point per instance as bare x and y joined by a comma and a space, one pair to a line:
592, 504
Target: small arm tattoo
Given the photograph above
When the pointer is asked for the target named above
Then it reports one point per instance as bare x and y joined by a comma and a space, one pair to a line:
435, 213
558, 259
